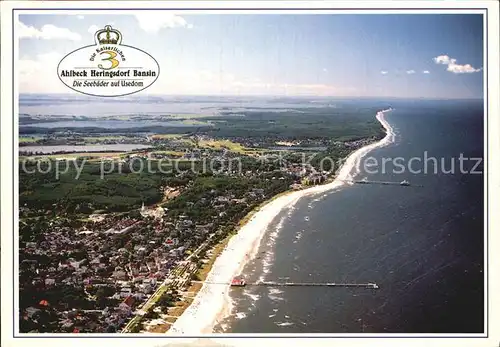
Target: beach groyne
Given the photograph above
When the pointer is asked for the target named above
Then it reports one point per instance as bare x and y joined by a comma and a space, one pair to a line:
212, 299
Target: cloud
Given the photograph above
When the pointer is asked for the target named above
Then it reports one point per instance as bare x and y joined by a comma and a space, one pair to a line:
467, 68
453, 66
426, 71
175, 79
188, 81
92, 29
444, 59
384, 72
152, 22
47, 32
410, 72
44, 67
325, 69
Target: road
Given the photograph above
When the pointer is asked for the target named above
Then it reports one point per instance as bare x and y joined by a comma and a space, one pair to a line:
176, 279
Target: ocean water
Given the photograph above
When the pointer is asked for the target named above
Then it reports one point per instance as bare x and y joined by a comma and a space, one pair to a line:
423, 244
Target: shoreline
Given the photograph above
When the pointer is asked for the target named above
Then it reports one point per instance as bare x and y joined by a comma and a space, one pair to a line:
209, 307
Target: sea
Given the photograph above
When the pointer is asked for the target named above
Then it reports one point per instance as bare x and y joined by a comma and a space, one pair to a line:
423, 244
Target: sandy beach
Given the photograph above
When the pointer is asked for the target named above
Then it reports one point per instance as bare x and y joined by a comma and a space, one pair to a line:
212, 303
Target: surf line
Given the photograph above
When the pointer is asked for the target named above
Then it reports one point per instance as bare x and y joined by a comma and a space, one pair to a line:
213, 303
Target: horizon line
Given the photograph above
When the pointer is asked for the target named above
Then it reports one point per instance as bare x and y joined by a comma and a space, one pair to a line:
258, 96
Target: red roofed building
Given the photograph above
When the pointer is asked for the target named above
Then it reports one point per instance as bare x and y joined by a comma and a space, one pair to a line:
238, 282
129, 300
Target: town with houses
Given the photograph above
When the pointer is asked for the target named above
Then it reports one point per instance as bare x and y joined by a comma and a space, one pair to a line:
93, 270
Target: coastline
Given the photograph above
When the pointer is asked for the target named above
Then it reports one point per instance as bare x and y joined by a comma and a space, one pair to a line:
212, 303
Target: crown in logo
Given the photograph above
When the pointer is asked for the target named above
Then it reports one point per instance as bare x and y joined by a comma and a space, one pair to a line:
108, 35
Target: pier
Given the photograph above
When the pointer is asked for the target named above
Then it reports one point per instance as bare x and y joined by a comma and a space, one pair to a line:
312, 284
299, 284
402, 184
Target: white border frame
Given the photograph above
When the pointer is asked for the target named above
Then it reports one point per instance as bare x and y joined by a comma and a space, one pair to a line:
9, 142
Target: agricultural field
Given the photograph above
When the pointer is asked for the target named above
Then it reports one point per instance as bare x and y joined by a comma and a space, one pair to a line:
229, 145
166, 136
29, 139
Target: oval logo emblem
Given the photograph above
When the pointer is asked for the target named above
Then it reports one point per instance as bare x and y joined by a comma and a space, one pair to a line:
108, 68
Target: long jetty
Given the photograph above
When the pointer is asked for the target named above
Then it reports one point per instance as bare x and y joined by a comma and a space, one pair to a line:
300, 284
383, 183
312, 284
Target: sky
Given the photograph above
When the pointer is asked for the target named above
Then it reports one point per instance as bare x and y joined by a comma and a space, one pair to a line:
347, 55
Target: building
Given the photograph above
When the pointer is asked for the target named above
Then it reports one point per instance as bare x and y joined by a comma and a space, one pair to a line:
238, 282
